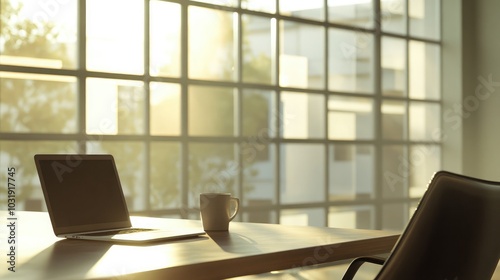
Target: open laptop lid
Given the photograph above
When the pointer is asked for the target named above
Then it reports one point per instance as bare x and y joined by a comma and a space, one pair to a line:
82, 192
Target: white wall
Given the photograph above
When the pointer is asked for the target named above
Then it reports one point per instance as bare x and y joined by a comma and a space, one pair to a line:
487, 117
471, 58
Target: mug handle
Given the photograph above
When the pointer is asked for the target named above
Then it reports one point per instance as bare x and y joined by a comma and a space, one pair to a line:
237, 207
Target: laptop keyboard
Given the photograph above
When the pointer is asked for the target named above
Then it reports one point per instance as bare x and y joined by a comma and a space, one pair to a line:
121, 231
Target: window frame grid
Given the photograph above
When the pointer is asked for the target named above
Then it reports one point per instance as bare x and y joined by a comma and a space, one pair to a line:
82, 74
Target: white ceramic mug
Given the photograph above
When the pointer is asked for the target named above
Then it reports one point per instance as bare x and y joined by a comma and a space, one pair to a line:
215, 210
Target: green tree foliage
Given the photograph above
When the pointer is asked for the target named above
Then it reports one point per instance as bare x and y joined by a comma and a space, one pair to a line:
27, 104
26, 38
46, 106
32, 105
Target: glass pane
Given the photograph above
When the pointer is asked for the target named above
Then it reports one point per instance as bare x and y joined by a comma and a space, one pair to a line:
350, 61
19, 154
424, 161
359, 217
258, 59
425, 18
115, 106
395, 171
260, 216
164, 175
165, 106
232, 3
425, 120
310, 9
308, 160
211, 111
302, 63
38, 34
304, 115
393, 67
165, 39
212, 44
303, 217
131, 166
259, 115
394, 216
268, 6
350, 118
425, 67
212, 168
115, 44
351, 12
38, 103
351, 172
393, 13
394, 118
259, 164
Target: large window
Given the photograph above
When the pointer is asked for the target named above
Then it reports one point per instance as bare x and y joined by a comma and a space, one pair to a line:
322, 113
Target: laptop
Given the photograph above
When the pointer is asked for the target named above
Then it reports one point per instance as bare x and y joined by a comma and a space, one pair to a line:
85, 200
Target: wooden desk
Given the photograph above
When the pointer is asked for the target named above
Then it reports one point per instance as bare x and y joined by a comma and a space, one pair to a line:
246, 249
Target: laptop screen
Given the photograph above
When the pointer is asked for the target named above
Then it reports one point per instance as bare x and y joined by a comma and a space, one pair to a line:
84, 192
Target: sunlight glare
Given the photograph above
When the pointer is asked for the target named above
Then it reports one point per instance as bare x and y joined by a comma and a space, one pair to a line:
120, 260
115, 36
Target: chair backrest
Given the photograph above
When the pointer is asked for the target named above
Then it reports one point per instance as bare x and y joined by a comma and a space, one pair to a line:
454, 234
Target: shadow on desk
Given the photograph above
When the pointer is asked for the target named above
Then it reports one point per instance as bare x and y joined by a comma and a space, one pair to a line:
234, 243
65, 258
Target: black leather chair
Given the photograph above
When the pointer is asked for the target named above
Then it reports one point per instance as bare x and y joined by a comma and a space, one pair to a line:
453, 235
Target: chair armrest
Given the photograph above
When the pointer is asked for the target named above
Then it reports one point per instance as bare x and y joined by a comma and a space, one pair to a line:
356, 264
